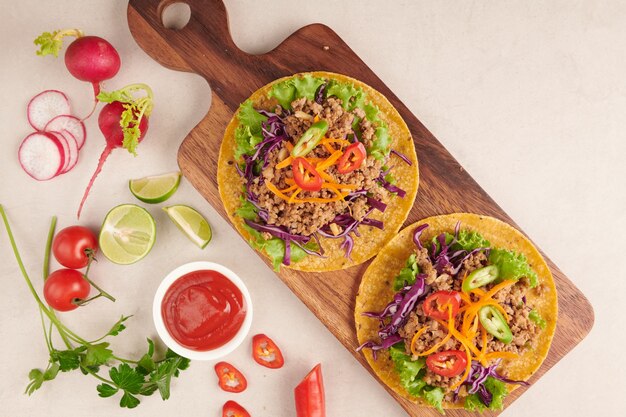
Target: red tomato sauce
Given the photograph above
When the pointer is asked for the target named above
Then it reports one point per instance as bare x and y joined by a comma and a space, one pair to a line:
203, 310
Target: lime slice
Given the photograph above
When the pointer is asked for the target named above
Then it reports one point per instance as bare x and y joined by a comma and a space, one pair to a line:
155, 189
191, 223
127, 234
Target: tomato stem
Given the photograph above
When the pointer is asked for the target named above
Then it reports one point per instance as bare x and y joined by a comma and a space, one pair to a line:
100, 290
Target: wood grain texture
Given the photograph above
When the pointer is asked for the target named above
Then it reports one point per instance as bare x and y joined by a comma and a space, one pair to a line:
204, 46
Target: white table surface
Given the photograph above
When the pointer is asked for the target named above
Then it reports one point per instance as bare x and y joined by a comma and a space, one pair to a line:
530, 97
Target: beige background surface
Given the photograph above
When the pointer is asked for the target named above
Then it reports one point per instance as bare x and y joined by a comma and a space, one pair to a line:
529, 96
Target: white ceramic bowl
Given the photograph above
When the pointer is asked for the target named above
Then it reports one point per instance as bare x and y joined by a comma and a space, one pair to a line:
170, 342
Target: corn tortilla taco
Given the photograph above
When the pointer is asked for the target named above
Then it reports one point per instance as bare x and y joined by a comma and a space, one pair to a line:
456, 311
317, 171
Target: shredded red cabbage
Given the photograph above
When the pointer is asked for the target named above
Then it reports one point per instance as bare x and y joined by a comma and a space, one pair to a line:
402, 156
478, 376
390, 187
321, 93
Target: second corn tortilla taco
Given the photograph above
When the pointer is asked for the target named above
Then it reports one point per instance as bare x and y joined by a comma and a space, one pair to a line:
456, 311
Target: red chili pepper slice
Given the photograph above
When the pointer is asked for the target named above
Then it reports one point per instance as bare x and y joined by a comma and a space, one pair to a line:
230, 379
305, 175
309, 393
233, 409
352, 158
266, 353
447, 363
436, 304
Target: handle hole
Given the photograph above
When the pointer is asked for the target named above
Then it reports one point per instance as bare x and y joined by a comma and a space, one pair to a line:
176, 16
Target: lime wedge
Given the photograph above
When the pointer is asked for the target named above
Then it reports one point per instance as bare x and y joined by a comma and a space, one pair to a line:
191, 223
155, 189
127, 234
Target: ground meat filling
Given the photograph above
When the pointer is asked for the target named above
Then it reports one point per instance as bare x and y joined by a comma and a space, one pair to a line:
510, 298
306, 218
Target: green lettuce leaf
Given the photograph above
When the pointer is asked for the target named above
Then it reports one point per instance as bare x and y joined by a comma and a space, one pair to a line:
512, 266
434, 397
407, 274
247, 210
469, 240
275, 248
536, 317
245, 141
497, 389
410, 371
381, 145
248, 116
296, 87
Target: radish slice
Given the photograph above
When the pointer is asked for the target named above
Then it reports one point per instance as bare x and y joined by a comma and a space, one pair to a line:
66, 150
45, 106
70, 123
73, 150
41, 156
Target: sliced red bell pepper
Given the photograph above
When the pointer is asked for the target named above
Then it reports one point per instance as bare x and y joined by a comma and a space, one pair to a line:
229, 377
309, 393
352, 158
305, 175
266, 353
233, 409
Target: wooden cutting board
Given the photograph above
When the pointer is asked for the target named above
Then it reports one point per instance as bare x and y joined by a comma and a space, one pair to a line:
204, 46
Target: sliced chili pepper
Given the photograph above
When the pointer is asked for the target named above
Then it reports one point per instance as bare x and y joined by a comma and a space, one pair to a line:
352, 158
447, 363
230, 379
310, 138
437, 304
305, 175
233, 409
494, 322
480, 277
266, 353
309, 393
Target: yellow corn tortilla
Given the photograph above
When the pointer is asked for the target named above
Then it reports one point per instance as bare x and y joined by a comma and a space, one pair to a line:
376, 290
372, 239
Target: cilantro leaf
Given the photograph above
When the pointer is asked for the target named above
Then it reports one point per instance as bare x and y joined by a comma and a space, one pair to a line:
68, 360
161, 377
128, 400
512, 265
37, 377
97, 355
118, 327
407, 274
146, 364
536, 317
126, 378
106, 390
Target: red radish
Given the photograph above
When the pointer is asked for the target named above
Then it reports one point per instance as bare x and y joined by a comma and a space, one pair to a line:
88, 58
70, 123
41, 156
45, 106
123, 122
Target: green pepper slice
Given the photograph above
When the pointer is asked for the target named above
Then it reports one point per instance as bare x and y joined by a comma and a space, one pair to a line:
310, 138
493, 321
480, 277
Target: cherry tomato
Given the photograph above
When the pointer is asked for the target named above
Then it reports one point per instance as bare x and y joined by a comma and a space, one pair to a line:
352, 158
233, 409
310, 401
63, 287
266, 353
447, 363
305, 175
230, 379
73, 246
436, 305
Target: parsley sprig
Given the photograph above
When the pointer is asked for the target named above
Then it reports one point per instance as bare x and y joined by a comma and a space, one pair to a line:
130, 378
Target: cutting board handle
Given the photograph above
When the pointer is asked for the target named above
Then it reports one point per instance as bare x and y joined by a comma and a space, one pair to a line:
203, 46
